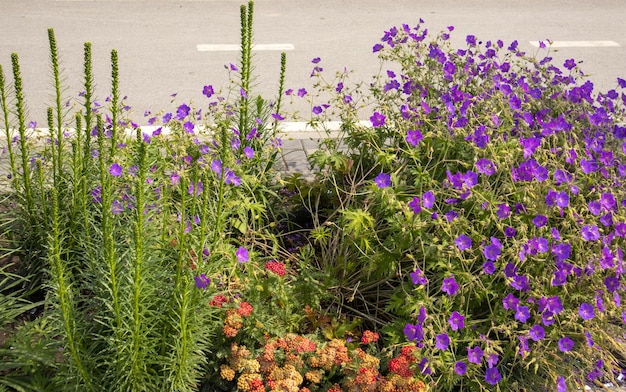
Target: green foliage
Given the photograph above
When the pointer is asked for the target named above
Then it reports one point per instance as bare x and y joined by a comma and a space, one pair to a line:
125, 229
487, 183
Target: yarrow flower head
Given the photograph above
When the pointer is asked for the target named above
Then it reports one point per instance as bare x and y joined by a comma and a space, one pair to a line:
276, 268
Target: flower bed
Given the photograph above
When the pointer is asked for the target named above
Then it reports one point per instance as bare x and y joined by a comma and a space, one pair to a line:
470, 237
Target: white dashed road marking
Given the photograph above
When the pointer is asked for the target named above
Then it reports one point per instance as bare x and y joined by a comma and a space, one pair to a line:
576, 44
237, 47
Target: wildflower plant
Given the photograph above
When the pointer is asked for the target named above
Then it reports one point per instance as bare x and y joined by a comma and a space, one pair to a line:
136, 229
479, 215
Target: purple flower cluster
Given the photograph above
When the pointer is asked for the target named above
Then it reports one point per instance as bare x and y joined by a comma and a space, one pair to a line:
529, 197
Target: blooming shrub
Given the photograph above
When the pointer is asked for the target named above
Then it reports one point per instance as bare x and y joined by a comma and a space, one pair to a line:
481, 212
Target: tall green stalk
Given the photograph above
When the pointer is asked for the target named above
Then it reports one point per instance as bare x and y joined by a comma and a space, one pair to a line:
139, 349
246, 15
84, 144
115, 100
7, 127
56, 127
108, 242
21, 126
179, 364
65, 294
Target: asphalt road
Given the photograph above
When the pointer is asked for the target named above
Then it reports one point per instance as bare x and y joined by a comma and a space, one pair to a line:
157, 40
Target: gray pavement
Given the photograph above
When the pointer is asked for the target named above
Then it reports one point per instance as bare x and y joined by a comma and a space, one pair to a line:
157, 43
157, 40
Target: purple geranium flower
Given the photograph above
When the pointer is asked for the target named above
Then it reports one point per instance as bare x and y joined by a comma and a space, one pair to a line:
503, 211
540, 220
463, 242
485, 166
188, 126
489, 267
607, 201
413, 332
474, 355
248, 152
586, 311
562, 199
611, 283
450, 286
377, 119
182, 111
561, 251
428, 200
566, 344
537, 333
202, 281
382, 180
492, 376
460, 368
522, 313
590, 233
242, 254
208, 91
510, 232
520, 282
560, 384
492, 251
417, 277
414, 136
442, 341
510, 302
115, 170
415, 205
456, 321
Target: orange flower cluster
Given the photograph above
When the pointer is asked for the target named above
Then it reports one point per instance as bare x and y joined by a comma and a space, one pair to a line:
234, 319
335, 353
369, 337
295, 363
401, 365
